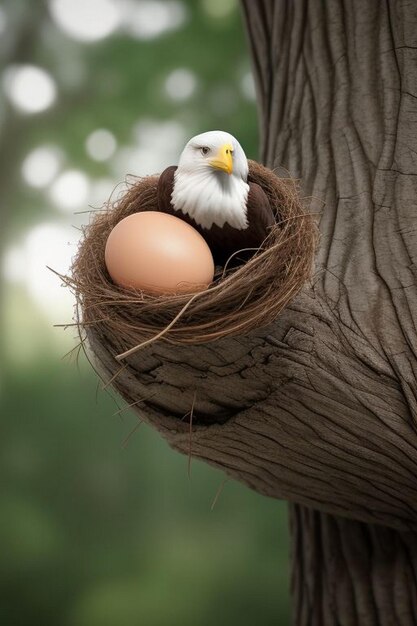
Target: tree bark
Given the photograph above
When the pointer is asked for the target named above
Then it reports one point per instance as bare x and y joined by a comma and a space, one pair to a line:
347, 572
320, 407
338, 89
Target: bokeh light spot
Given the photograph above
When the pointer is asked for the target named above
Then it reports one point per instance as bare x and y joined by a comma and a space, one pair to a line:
157, 144
101, 144
166, 136
41, 166
70, 190
86, 20
218, 8
247, 85
181, 84
3, 20
152, 18
29, 88
49, 244
14, 265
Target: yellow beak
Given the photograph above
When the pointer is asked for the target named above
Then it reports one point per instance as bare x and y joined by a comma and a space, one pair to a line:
224, 159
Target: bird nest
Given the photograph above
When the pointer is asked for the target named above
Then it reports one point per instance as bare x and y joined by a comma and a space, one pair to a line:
239, 299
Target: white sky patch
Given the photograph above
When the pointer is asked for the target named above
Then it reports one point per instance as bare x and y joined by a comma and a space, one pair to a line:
181, 84
157, 144
49, 244
86, 20
29, 88
70, 191
100, 145
41, 166
218, 8
149, 19
247, 86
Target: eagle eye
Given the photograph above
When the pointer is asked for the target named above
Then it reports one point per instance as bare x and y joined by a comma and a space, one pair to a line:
204, 150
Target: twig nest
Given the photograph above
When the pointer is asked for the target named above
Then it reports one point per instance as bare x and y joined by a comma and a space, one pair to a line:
237, 301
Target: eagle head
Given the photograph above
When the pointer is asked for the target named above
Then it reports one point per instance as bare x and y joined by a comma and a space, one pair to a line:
210, 183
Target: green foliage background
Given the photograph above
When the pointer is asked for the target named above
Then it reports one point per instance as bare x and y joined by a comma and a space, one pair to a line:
94, 532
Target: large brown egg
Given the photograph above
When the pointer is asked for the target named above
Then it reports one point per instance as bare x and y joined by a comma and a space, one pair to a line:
158, 253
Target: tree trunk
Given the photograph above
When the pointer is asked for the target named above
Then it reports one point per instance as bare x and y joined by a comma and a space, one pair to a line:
338, 97
320, 407
350, 573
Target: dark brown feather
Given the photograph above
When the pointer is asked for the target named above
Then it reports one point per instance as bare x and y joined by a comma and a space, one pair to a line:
224, 241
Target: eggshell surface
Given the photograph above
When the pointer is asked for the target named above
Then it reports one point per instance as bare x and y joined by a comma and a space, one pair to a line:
158, 253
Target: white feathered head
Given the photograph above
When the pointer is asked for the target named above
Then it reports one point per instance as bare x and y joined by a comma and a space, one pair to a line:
214, 150
210, 181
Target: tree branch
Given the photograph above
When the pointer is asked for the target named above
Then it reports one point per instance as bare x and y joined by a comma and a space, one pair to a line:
319, 408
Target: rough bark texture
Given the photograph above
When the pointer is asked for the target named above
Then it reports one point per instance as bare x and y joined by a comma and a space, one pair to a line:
351, 573
338, 90
320, 407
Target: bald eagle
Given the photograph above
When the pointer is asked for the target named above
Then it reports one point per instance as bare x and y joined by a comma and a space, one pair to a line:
210, 190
